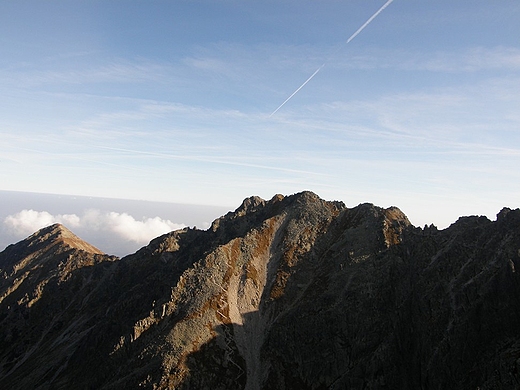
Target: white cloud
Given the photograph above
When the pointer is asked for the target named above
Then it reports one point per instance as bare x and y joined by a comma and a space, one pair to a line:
138, 231
28, 221
121, 226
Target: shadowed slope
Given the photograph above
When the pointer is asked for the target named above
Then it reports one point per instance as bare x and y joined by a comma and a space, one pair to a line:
291, 293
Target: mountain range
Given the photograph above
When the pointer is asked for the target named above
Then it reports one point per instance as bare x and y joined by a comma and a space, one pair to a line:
294, 292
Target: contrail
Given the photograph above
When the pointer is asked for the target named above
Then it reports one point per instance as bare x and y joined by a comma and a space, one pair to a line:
369, 20
321, 67
295, 92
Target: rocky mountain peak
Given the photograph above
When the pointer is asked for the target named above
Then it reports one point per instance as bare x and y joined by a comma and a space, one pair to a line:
57, 234
291, 293
508, 215
44, 245
250, 205
49, 255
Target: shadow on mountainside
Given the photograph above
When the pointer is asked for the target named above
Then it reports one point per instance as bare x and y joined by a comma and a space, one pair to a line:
441, 310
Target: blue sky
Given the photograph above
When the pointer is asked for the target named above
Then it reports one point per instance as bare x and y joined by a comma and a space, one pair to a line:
171, 101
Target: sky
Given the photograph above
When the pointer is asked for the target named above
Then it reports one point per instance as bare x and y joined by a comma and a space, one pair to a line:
171, 101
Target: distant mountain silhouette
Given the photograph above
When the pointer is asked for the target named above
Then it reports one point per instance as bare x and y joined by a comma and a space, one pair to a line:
291, 293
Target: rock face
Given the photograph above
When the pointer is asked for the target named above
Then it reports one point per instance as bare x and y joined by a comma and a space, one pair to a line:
291, 293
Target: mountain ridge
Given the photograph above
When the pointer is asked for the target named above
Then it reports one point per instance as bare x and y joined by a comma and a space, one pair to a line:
290, 293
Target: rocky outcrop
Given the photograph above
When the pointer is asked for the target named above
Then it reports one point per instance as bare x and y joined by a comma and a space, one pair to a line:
290, 293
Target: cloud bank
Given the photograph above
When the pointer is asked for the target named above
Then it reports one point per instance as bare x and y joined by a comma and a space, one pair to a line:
121, 226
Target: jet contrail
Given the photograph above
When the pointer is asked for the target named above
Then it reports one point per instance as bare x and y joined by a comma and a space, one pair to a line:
321, 67
369, 20
295, 92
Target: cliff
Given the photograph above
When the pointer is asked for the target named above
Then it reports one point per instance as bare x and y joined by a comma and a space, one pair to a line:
291, 293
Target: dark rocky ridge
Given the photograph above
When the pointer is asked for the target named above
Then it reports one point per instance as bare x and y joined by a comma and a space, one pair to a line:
291, 293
